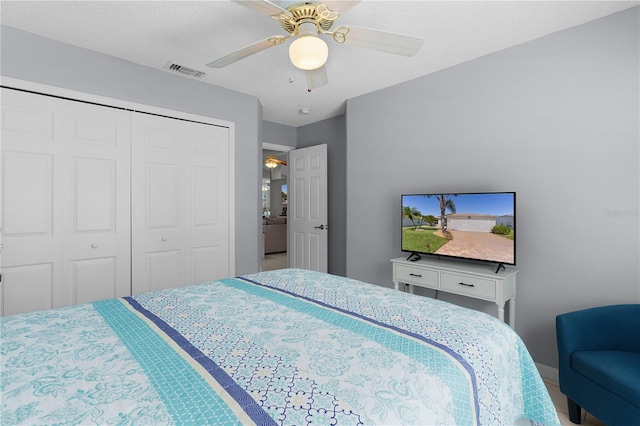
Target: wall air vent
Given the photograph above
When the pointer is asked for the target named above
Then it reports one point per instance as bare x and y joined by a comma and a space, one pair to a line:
189, 72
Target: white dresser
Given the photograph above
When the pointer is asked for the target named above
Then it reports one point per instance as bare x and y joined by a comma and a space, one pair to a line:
467, 279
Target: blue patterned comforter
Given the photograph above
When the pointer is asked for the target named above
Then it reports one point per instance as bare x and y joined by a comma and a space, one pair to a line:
288, 347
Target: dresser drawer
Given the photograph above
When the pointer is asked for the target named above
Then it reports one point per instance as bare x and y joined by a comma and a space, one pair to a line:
416, 276
466, 285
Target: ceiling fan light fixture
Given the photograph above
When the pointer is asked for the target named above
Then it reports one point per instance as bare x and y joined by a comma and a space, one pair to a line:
270, 164
308, 52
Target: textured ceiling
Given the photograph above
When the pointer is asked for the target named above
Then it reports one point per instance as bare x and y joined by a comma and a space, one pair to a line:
193, 33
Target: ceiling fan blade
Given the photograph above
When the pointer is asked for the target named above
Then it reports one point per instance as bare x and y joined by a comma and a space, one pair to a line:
247, 51
383, 41
341, 6
317, 78
263, 7
271, 161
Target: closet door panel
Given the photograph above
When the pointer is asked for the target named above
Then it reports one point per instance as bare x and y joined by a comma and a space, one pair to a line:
157, 179
30, 231
27, 194
94, 193
180, 202
31, 161
94, 279
26, 120
162, 197
28, 288
96, 203
163, 269
207, 228
204, 197
204, 261
65, 202
163, 235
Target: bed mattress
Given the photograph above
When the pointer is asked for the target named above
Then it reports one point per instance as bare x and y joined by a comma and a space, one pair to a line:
287, 347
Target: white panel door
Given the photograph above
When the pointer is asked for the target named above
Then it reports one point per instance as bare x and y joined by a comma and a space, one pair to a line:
180, 202
307, 208
96, 255
65, 187
31, 223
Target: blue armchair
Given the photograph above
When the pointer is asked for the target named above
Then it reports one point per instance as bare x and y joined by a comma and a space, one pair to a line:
599, 363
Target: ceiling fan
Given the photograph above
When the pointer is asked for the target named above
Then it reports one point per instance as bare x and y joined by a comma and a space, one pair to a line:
272, 162
304, 22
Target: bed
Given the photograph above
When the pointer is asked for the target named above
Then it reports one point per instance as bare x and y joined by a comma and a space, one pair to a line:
287, 347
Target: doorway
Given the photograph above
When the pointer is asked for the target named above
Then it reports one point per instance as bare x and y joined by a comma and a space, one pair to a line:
274, 201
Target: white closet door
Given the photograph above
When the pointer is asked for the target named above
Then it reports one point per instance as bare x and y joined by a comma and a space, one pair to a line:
31, 225
65, 186
180, 202
96, 255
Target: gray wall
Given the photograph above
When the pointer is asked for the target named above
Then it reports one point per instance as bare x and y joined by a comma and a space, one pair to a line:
33, 58
333, 133
555, 120
279, 134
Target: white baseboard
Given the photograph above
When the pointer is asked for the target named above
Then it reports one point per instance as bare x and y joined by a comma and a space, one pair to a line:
547, 372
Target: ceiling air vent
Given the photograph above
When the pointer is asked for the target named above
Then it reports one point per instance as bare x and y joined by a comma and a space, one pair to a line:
190, 72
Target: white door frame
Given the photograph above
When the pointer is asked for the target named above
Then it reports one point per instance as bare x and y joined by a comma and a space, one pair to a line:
122, 104
271, 147
276, 147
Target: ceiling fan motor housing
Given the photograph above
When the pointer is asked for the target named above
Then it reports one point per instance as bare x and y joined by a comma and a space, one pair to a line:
303, 13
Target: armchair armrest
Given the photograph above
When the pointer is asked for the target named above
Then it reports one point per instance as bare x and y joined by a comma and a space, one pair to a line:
613, 327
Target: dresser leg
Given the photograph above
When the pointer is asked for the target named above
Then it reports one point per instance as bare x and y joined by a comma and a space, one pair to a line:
500, 312
512, 312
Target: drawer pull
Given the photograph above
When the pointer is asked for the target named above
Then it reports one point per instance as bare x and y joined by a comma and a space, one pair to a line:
416, 275
466, 285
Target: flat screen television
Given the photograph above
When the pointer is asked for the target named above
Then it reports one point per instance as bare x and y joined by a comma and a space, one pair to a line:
475, 226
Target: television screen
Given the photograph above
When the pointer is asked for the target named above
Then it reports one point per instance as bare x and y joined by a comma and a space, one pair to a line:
477, 226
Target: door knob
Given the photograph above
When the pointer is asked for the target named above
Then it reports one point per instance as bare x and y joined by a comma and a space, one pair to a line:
320, 227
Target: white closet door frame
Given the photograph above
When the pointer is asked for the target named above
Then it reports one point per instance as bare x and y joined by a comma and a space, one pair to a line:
118, 103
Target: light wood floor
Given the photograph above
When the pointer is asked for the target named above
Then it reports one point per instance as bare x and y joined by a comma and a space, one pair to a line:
279, 261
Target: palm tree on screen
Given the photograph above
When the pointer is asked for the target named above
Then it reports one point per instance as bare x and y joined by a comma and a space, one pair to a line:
445, 203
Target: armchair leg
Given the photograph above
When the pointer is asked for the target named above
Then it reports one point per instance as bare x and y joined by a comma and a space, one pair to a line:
574, 412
